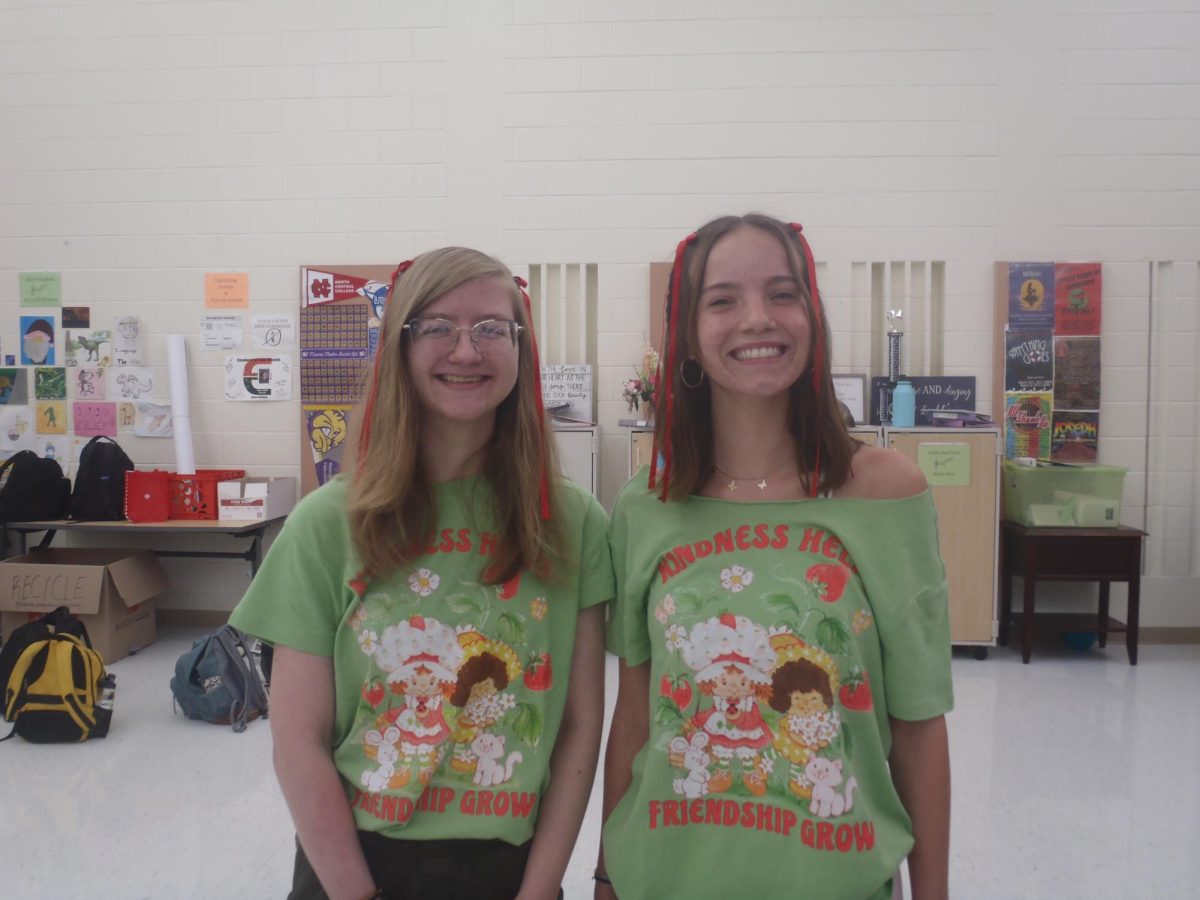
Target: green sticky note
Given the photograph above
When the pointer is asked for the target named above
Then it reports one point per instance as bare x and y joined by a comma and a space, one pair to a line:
945, 465
41, 289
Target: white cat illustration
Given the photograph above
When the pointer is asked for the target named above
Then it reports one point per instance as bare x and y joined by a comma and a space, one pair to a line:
489, 771
386, 754
695, 760
826, 775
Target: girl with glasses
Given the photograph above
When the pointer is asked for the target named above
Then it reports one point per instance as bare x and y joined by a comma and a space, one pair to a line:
437, 688
780, 613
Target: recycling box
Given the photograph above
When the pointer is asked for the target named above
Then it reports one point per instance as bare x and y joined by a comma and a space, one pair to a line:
111, 591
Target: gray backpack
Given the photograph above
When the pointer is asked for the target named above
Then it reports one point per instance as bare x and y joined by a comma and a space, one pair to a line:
220, 679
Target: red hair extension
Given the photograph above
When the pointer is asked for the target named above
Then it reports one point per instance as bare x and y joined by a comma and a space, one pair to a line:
666, 377
818, 362
364, 438
544, 486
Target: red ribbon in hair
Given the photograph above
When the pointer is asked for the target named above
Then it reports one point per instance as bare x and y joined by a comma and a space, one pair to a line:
667, 367
544, 485
364, 438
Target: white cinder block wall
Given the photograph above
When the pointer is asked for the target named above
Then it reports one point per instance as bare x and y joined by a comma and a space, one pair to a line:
148, 143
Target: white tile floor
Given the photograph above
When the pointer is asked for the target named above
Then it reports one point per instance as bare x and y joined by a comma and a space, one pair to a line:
1074, 776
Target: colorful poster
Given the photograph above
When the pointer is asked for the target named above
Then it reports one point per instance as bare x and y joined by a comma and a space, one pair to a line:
1075, 437
88, 348
76, 317
329, 287
14, 388
1031, 296
92, 419
1027, 425
50, 383
52, 417
1028, 361
226, 290
1077, 299
88, 383
327, 428
127, 341
153, 420
133, 383
37, 340
258, 378
17, 429
41, 289
1077, 373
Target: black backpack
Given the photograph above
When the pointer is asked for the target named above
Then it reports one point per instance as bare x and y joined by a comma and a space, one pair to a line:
99, 492
35, 489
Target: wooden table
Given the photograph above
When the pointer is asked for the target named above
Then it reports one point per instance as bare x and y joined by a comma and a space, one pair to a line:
1070, 554
233, 528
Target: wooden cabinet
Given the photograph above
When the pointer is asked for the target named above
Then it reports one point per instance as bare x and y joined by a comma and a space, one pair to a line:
968, 509
641, 445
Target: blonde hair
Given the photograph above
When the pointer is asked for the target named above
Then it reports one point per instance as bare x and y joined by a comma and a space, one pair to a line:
391, 507
813, 416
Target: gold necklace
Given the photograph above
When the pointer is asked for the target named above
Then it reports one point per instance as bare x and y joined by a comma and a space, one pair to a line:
733, 479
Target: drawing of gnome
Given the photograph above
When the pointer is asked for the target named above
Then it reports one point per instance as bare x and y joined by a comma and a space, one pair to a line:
732, 658
420, 657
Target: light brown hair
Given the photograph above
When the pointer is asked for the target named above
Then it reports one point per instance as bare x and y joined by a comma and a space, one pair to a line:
391, 504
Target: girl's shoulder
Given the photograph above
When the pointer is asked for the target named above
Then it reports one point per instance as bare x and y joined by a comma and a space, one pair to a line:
877, 473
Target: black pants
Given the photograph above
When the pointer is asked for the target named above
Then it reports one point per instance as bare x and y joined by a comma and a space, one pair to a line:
429, 870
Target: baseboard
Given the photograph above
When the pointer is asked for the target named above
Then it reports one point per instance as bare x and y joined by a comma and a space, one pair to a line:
193, 618
1161, 635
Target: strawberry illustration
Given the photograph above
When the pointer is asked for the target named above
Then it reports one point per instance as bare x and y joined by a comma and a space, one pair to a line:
828, 579
509, 589
855, 693
538, 673
677, 688
373, 694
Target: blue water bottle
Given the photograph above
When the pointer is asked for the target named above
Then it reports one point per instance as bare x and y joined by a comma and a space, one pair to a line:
904, 405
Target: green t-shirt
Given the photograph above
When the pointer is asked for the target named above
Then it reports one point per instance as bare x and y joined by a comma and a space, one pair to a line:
449, 693
781, 636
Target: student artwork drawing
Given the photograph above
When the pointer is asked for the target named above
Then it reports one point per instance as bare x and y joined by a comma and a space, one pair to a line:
52, 417
50, 383
89, 382
127, 341
37, 340
153, 420
134, 382
89, 348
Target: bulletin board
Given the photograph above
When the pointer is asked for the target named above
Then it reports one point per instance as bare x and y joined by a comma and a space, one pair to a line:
1047, 358
341, 309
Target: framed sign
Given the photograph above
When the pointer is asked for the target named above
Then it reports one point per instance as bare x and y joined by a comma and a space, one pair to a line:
852, 390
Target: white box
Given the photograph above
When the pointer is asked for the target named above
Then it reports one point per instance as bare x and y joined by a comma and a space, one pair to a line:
255, 499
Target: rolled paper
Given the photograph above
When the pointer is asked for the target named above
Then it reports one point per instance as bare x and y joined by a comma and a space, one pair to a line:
185, 455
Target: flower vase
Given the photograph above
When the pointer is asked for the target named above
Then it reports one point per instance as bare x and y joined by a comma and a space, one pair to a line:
646, 410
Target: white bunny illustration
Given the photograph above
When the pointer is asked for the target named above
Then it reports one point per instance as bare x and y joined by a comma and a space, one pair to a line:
695, 760
386, 754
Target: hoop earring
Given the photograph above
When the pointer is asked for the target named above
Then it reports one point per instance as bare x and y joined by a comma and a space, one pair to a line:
691, 385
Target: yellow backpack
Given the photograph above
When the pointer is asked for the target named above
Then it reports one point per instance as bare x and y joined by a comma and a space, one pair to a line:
57, 689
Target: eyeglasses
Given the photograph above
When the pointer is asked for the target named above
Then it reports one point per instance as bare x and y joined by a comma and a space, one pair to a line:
490, 336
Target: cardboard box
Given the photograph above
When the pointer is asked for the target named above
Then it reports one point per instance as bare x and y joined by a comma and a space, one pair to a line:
111, 591
255, 499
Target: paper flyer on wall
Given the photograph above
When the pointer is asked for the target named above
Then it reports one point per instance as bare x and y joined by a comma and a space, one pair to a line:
152, 420
258, 378
91, 347
91, 419
41, 288
1031, 296
14, 387
18, 430
222, 331
51, 416
1027, 425
37, 340
273, 332
127, 341
76, 317
50, 383
1076, 436
88, 383
132, 383
1028, 361
1078, 298
327, 428
1077, 372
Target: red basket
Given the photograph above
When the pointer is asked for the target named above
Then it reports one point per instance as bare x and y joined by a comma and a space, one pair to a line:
195, 496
